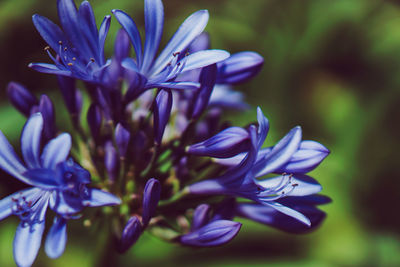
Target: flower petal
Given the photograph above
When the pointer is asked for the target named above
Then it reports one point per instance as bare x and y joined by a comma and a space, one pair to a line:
30, 140
103, 31
203, 58
27, 242
101, 198
56, 151
186, 33
131, 29
289, 212
56, 238
280, 153
49, 68
239, 68
154, 22
9, 161
263, 128
49, 31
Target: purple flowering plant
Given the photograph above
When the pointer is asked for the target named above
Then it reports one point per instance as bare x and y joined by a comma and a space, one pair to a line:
153, 143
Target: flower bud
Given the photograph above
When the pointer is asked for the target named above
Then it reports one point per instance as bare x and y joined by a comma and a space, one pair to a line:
213, 234
21, 98
151, 196
130, 234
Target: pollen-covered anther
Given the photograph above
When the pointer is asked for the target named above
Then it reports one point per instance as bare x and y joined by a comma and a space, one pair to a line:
176, 54
60, 42
74, 58
46, 48
70, 64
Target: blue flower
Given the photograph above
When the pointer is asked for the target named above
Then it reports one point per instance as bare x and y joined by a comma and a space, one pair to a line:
242, 179
161, 71
79, 45
57, 182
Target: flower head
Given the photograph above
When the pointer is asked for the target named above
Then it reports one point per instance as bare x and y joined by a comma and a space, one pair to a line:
79, 45
161, 71
57, 182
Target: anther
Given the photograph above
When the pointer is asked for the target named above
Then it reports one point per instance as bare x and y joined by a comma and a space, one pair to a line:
60, 42
70, 64
46, 48
65, 48
74, 58
92, 59
176, 53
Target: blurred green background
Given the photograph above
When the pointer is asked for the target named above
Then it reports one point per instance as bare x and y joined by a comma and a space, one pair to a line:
330, 66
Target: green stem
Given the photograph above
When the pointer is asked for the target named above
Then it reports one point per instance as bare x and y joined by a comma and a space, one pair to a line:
185, 191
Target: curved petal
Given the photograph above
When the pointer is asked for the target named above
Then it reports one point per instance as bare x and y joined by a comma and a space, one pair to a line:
239, 68
187, 32
56, 151
154, 22
103, 31
49, 31
309, 155
227, 143
56, 238
263, 128
101, 198
30, 140
49, 68
203, 58
9, 160
200, 216
289, 212
131, 29
27, 242
87, 23
175, 85
280, 153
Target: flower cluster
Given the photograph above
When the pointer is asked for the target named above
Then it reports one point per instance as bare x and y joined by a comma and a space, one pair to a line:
152, 141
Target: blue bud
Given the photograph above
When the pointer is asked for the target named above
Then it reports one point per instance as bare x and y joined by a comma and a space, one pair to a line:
201, 216
162, 110
225, 144
239, 67
21, 98
94, 118
151, 196
122, 137
46, 107
207, 81
130, 234
111, 161
213, 234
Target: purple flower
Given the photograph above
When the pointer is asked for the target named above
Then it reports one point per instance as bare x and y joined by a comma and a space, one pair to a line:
242, 180
130, 234
79, 45
161, 71
57, 182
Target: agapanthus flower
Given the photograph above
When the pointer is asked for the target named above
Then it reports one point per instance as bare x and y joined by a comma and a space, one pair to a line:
242, 179
79, 45
56, 181
161, 71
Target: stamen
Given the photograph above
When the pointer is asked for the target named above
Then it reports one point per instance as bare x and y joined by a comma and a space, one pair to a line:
46, 48
70, 64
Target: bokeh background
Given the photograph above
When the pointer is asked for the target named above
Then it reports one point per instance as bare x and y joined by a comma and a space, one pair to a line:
332, 67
